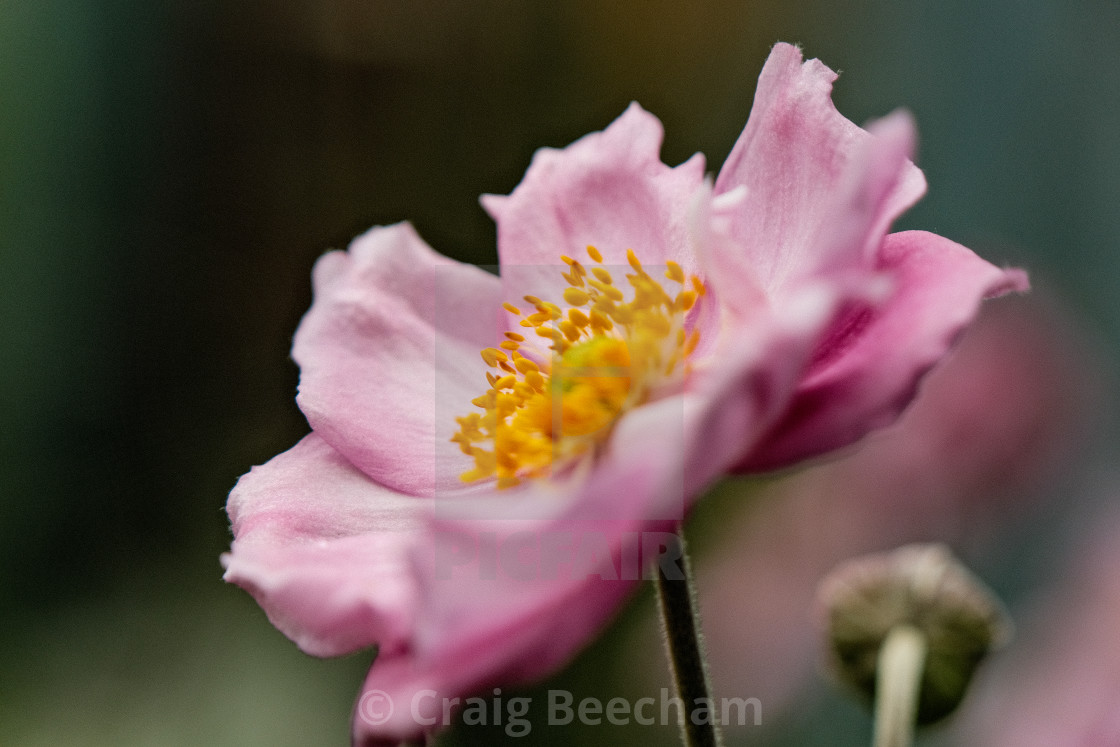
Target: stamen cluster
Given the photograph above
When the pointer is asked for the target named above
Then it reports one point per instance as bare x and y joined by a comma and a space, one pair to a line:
546, 408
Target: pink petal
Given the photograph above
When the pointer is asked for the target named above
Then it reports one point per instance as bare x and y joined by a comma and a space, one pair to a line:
1065, 660
515, 622
324, 550
870, 367
608, 189
514, 584
805, 190
389, 355
636, 486
418, 687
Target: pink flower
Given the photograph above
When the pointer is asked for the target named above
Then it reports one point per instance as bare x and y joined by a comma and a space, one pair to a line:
763, 320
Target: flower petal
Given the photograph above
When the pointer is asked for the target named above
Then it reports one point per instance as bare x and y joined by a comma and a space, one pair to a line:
609, 190
586, 517
389, 355
324, 550
806, 189
499, 606
869, 368
514, 584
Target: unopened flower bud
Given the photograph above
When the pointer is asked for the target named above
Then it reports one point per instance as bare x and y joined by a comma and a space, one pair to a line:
924, 587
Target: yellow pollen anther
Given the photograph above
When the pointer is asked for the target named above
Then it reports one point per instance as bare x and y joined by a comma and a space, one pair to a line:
539, 318
570, 330
574, 278
600, 322
674, 272
544, 413
602, 274
524, 365
575, 296
551, 309
609, 291
633, 260
549, 332
492, 356
578, 318
692, 342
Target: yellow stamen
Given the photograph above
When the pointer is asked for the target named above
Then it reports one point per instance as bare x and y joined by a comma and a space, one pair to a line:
600, 322
633, 260
575, 296
692, 342
547, 411
602, 274
492, 356
551, 309
570, 330
539, 318
674, 272
608, 290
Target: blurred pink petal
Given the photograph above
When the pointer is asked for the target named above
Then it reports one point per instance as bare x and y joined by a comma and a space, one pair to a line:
990, 430
1060, 682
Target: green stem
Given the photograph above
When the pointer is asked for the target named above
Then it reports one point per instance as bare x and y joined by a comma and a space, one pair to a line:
684, 643
897, 686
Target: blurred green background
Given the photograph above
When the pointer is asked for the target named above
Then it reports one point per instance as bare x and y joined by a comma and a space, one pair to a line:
169, 171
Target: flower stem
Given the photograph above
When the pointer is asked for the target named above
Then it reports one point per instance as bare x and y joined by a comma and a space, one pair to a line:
684, 643
898, 680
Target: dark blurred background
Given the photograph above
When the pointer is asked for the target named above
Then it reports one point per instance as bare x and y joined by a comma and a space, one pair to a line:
169, 171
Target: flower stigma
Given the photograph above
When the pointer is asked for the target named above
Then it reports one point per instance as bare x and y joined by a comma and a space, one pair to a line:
549, 408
